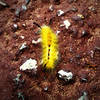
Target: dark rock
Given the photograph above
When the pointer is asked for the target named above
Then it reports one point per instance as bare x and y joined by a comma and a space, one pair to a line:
57, 1
74, 9
77, 17
73, 31
1, 31
84, 33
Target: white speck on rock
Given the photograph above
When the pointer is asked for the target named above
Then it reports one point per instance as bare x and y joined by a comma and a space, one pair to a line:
91, 53
57, 32
60, 12
22, 37
23, 46
36, 42
67, 23
30, 64
24, 7
84, 96
15, 26
46, 88
51, 8
65, 75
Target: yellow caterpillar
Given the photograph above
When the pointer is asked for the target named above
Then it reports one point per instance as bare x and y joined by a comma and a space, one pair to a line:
49, 47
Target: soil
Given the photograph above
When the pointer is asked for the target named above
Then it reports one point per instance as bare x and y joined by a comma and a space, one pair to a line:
79, 49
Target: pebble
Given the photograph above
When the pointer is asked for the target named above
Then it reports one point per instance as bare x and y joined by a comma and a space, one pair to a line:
15, 26
45, 85
57, 32
84, 33
81, 16
51, 8
22, 37
23, 46
20, 96
24, 25
67, 23
24, 8
83, 76
60, 13
46, 89
93, 9
30, 64
78, 17
91, 53
4, 4
66, 76
84, 96
36, 42
74, 9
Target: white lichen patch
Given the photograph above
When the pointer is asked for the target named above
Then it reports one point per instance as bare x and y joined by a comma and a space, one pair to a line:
30, 64
37, 41
23, 46
60, 12
65, 75
67, 23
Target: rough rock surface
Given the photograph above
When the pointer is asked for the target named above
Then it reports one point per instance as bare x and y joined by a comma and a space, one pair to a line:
79, 48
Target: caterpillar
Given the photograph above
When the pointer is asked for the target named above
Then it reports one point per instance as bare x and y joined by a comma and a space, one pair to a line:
49, 47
